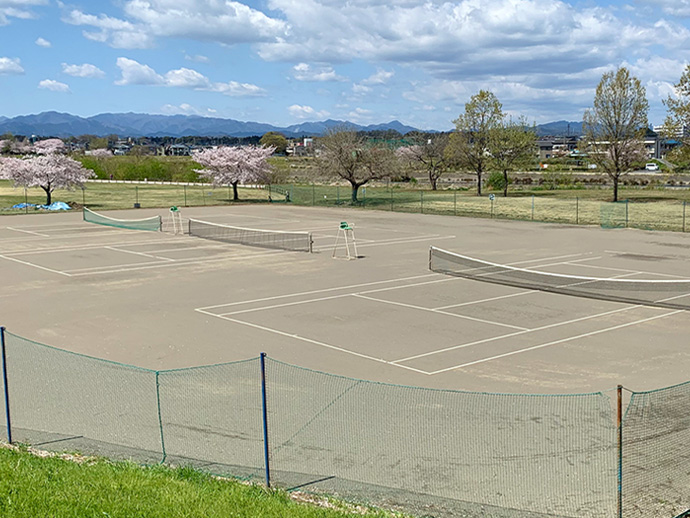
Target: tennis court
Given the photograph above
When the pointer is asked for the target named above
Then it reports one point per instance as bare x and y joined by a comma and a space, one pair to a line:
162, 301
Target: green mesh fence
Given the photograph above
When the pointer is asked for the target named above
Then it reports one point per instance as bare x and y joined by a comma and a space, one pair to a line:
656, 453
64, 401
153, 223
212, 418
460, 453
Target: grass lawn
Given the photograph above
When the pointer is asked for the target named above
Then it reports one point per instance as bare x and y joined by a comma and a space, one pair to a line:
32, 486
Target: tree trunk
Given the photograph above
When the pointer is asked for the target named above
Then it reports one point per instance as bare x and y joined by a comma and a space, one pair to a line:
235, 195
505, 184
434, 181
615, 187
49, 194
355, 188
479, 183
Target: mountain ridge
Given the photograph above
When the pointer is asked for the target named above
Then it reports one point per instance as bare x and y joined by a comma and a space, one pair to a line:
130, 124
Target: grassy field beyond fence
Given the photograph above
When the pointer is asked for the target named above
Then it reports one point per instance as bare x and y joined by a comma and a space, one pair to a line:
652, 209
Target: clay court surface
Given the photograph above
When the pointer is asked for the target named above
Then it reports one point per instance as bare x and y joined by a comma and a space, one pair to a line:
162, 301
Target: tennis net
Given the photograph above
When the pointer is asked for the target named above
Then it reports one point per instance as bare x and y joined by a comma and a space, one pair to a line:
279, 239
665, 293
153, 223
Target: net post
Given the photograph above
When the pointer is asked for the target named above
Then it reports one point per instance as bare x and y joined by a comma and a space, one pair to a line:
264, 409
5, 385
431, 249
619, 421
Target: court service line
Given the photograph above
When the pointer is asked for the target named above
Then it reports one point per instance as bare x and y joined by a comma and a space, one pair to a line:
388, 242
114, 249
324, 290
491, 299
79, 248
27, 232
35, 266
464, 317
556, 342
633, 272
510, 335
308, 340
296, 303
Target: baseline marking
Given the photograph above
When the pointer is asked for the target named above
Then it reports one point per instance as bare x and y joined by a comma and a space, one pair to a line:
35, 266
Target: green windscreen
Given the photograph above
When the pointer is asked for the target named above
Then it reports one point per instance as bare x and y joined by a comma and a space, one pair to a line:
152, 223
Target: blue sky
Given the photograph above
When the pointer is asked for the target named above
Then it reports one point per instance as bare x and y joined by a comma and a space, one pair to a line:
367, 61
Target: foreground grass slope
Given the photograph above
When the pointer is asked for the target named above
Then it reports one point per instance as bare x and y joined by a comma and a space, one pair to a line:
32, 486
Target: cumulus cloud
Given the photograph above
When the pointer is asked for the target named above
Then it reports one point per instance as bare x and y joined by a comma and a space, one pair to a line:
41, 42
379, 78
85, 70
305, 72
197, 58
186, 109
225, 22
306, 112
54, 86
135, 73
11, 66
672, 7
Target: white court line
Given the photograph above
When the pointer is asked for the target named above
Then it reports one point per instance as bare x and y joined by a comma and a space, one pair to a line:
27, 231
137, 253
308, 340
296, 303
35, 266
399, 241
556, 342
487, 300
79, 248
632, 271
324, 290
464, 317
510, 335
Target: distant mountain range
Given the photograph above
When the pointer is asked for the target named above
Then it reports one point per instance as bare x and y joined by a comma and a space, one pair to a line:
55, 124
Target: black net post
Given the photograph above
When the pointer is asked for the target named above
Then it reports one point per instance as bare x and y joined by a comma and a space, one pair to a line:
5, 386
264, 409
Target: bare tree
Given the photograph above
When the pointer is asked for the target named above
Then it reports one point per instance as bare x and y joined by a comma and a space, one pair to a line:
346, 154
469, 144
615, 126
511, 145
428, 154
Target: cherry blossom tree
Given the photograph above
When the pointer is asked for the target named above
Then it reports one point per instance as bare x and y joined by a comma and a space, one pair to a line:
49, 146
49, 172
232, 165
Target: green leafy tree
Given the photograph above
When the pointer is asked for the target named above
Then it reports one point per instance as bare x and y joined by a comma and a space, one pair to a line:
511, 145
614, 128
276, 140
678, 106
469, 144
345, 154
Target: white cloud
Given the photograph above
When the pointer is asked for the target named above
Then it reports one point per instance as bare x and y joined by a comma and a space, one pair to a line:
227, 22
54, 86
197, 58
11, 66
135, 73
17, 9
187, 109
305, 72
41, 42
379, 78
672, 7
306, 112
85, 70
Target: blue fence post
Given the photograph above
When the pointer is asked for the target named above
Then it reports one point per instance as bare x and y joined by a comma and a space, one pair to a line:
265, 419
5, 385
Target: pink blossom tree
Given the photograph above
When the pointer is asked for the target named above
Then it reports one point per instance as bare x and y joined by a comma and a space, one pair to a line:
49, 146
234, 165
49, 172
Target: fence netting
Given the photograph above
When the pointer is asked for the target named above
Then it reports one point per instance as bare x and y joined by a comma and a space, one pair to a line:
656, 453
453, 453
64, 401
212, 418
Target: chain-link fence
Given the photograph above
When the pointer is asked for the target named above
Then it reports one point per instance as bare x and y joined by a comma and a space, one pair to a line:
425, 451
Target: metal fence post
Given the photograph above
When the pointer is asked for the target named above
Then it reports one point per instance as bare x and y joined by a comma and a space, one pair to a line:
160, 417
619, 419
421, 202
185, 195
5, 385
626, 213
455, 203
683, 215
264, 407
533, 207
577, 210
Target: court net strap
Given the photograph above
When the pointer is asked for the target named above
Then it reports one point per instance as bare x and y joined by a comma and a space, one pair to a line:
665, 293
278, 239
153, 223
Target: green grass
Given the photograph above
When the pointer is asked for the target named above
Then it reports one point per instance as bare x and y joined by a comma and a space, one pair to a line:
32, 486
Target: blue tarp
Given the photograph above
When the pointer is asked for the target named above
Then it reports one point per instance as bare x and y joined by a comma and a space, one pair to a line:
57, 205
